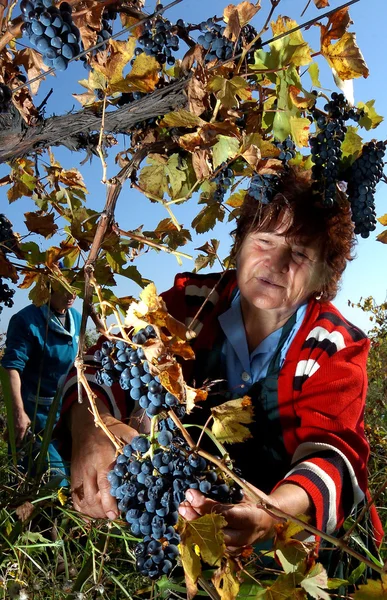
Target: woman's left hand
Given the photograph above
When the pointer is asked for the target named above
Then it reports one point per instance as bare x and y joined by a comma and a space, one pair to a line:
246, 522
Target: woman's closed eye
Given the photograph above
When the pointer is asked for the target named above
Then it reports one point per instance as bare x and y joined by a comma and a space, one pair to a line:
300, 254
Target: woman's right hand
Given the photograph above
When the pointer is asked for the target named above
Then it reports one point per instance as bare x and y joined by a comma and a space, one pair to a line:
93, 456
22, 422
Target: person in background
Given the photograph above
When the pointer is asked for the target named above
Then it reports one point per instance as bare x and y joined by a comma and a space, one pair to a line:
268, 330
41, 346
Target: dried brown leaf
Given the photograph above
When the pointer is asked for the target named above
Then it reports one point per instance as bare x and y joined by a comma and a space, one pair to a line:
43, 224
201, 164
25, 510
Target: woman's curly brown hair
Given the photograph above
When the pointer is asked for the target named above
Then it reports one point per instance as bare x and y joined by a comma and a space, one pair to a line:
311, 221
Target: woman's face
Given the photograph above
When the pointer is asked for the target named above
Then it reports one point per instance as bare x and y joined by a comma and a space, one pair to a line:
275, 272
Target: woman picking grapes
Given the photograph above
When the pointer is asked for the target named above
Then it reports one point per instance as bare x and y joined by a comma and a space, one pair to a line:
267, 330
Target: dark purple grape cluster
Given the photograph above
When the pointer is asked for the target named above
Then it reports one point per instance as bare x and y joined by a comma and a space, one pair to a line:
6, 295
5, 98
212, 39
158, 40
287, 150
7, 241
221, 48
326, 145
7, 236
51, 31
223, 180
263, 187
150, 483
363, 177
128, 366
106, 30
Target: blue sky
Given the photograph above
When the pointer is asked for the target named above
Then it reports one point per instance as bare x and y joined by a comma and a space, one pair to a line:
364, 276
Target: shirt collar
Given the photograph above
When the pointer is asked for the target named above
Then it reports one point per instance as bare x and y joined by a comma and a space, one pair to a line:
231, 322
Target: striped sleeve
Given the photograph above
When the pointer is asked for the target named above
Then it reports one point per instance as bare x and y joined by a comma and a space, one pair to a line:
330, 452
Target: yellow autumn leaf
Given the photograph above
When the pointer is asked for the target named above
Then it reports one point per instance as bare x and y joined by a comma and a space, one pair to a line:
236, 200
225, 580
346, 58
144, 75
192, 396
181, 118
230, 419
172, 380
206, 533
62, 496
301, 101
120, 54
299, 127
150, 297
383, 220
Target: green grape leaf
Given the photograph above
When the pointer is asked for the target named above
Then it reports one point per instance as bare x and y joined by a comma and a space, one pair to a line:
181, 118
32, 253
291, 48
227, 91
230, 419
133, 273
351, 147
285, 586
208, 217
179, 175
153, 178
225, 149
281, 125
371, 119
335, 583
40, 293
314, 72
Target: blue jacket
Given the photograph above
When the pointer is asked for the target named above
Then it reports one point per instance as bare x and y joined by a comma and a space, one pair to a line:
39, 347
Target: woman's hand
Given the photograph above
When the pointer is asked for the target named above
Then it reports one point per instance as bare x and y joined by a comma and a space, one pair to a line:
246, 523
93, 456
22, 422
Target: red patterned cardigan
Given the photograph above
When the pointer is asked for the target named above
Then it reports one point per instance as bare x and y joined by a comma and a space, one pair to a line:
321, 394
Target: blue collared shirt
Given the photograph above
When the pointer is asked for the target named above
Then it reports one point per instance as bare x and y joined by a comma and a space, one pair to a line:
244, 368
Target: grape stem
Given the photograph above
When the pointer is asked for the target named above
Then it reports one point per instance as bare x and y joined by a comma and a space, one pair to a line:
99, 148
269, 508
93, 406
143, 240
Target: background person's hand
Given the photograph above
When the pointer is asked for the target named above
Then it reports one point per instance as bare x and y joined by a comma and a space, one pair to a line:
246, 523
22, 423
93, 456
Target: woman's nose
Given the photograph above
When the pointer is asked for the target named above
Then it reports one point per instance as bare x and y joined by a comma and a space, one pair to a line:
277, 260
